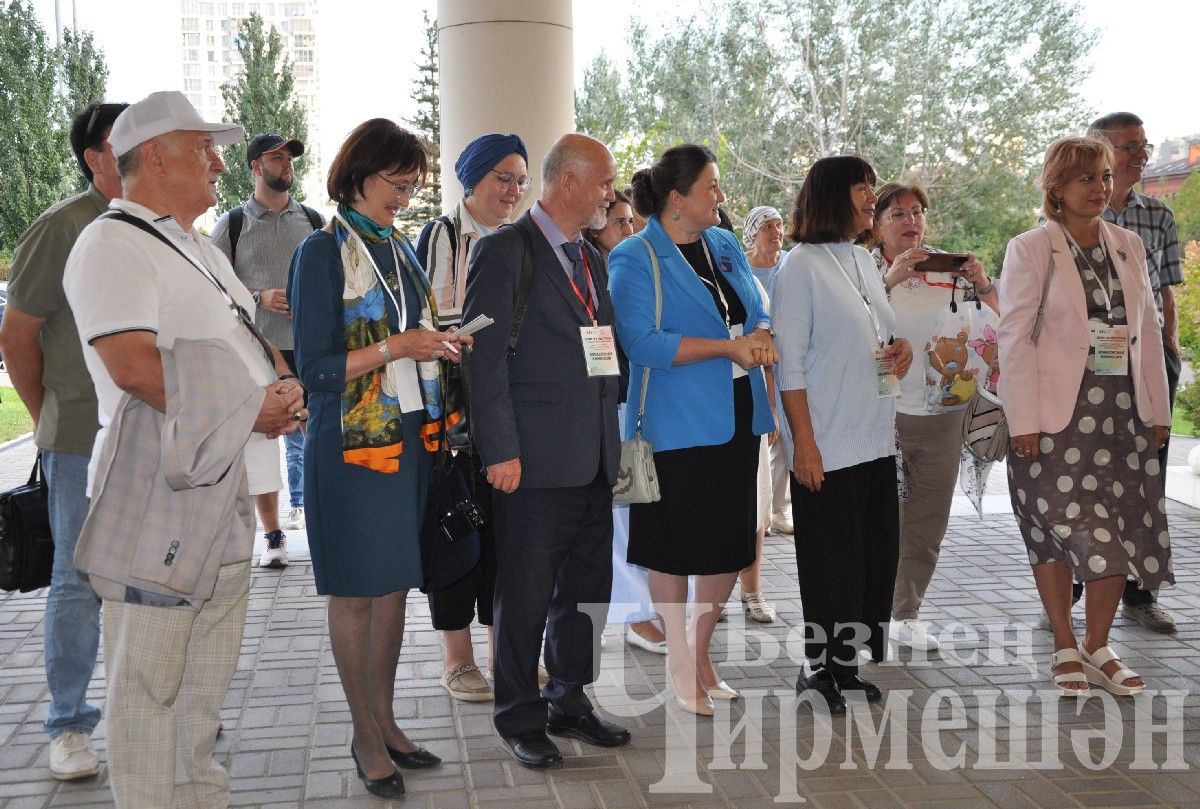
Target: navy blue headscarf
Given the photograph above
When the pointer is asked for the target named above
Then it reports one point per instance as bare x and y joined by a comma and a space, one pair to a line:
482, 155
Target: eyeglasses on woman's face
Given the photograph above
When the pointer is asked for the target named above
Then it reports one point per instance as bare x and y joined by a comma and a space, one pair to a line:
401, 189
916, 214
508, 180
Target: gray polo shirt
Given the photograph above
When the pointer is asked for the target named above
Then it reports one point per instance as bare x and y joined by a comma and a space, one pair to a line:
264, 257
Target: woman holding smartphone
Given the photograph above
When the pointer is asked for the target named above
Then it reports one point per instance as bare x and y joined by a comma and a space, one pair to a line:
929, 442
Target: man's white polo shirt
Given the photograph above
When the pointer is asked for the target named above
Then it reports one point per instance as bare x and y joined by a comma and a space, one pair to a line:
119, 278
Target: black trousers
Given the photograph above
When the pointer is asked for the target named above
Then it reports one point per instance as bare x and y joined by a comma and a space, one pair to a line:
553, 554
847, 547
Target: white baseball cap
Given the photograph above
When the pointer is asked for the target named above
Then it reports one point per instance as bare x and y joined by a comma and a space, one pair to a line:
162, 112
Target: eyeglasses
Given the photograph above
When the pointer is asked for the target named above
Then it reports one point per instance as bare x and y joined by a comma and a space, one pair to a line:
401, 189
896, 214
1135, 149
509, 180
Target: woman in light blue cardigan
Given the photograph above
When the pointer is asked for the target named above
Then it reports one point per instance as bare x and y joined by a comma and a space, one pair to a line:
834, 327
706, 404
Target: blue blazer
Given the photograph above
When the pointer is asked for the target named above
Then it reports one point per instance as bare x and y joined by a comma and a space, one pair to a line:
686, 405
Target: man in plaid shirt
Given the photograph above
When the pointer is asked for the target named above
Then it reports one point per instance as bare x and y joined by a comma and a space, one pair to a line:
1154, 222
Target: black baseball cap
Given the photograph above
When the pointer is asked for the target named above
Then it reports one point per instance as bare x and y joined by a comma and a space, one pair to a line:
269, 142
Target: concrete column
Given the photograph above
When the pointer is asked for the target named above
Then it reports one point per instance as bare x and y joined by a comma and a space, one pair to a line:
506, 66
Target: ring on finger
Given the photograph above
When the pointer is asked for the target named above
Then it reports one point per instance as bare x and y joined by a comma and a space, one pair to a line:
437, 355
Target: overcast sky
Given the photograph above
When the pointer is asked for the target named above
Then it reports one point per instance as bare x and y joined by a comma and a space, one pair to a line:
1144, 59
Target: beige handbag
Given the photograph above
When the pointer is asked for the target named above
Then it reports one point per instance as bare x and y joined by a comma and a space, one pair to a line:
637, 479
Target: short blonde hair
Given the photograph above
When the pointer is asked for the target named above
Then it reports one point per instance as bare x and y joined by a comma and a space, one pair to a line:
1066, 159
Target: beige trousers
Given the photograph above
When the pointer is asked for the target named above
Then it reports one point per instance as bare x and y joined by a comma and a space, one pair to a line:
931, 456
167, 671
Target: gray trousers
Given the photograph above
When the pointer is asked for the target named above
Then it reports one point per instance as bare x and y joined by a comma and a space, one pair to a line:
931, 457
781, 480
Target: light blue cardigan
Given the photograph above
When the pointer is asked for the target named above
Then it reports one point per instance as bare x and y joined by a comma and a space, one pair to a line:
687, 405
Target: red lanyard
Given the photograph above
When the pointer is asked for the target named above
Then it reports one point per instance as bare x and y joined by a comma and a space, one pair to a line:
587, 302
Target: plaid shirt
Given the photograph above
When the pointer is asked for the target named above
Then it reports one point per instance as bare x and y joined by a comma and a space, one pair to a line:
1155, 224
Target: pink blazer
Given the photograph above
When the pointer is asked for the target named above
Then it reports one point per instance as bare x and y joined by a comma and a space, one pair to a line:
1040, 384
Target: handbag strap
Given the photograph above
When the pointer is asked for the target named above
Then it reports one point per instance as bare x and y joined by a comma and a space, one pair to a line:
37, 474
1041, 312
657, 325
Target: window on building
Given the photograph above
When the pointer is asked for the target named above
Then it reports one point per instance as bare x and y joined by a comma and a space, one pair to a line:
191, 86
212, 56
303, 55
190, 7
189, 24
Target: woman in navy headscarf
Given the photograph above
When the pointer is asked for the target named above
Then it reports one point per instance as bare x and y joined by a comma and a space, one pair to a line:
493, 172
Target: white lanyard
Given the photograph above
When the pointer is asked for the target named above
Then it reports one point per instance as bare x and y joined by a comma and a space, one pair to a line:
715, 284
858, 290
402, 307
1105, 289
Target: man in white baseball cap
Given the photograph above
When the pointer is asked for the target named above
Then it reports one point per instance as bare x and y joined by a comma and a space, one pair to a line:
139, 279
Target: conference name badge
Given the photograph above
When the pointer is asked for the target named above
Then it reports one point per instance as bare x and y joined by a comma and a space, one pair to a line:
1111, 347
599, 350
887, 384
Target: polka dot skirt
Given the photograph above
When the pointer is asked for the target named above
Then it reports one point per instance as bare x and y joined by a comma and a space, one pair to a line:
1094, 497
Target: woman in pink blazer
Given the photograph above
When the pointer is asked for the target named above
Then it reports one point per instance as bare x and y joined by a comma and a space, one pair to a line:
1085, 393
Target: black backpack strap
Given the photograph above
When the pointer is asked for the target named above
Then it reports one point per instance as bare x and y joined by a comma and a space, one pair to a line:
524, 287
315, 219
236, 217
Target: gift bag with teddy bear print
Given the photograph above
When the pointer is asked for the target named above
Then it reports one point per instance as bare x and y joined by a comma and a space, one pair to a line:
961, 355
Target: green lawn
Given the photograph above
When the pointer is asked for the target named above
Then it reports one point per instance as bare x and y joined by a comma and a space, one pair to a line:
14, 418
1181, 426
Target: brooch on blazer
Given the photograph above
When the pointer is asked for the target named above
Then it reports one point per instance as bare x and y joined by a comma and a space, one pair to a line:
726, 264
1121, 253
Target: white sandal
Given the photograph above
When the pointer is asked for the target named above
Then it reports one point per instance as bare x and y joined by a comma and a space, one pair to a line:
1061, 680
1114, 684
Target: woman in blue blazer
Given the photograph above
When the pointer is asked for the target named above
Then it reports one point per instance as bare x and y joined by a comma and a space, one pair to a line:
706, 404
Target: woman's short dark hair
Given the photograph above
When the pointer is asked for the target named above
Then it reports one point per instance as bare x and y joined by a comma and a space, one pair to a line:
676, 170
823, 210
593, 234
89, 129
377, 145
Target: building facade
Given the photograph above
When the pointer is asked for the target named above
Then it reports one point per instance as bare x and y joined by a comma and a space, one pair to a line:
208, 29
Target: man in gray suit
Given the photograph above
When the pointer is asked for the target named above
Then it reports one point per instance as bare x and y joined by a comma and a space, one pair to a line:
544, 409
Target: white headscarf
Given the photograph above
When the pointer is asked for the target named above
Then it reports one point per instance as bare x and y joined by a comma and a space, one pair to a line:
755, 220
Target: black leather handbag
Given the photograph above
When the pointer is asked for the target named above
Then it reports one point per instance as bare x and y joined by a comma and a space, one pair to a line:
26, 547
450, 531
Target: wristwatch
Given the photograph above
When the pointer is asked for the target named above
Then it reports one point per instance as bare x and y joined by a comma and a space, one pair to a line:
256, 294
987, 290
384, 351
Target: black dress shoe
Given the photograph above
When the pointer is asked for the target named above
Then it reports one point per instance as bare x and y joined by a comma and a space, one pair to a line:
533, 749
589, 728
853, 682
418, 759
824, 683
390, 787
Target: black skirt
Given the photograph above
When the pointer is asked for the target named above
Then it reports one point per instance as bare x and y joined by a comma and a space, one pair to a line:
705, 522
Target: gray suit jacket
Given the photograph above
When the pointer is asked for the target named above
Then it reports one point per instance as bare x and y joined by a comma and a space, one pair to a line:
541, 406
170, 490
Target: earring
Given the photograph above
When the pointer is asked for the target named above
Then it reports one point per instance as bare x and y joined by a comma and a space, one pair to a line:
675, 216
1058, 206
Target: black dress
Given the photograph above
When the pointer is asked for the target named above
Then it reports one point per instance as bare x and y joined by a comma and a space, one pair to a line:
705, 522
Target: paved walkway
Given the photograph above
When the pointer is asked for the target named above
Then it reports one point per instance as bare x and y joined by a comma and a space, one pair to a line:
287, 727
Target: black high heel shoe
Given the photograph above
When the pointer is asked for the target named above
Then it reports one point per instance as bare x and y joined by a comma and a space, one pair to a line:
390, 787
418, 759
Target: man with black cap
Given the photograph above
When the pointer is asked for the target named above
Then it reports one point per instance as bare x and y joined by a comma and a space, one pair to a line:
258, 237
45, 362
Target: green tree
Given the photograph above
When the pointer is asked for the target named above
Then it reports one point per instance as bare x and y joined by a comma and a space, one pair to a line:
34, 170
964, 99
1186, 207
84, 75
427, 205
262, 99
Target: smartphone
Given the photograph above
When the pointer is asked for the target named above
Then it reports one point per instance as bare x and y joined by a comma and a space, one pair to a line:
951, 263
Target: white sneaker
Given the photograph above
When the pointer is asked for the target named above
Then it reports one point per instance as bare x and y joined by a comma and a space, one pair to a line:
295, 520
72, 756
275, 554
912, 633
781, 523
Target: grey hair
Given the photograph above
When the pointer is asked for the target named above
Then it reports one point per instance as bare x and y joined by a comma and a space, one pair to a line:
1112, 122
129, 163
